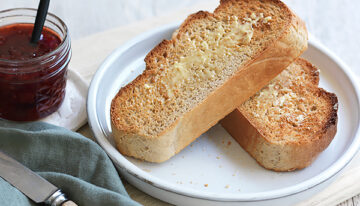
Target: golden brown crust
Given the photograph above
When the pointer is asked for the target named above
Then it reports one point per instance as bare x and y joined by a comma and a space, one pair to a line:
287, 154
277, 54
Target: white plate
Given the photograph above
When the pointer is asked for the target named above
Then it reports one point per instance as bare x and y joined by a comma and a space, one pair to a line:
215, 170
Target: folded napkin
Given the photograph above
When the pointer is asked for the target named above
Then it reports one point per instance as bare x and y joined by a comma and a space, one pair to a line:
73, 163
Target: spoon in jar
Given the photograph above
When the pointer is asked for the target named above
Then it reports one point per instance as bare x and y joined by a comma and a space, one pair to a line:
40, 20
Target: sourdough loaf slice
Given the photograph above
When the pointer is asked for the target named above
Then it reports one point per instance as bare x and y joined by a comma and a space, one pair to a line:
213, 62
289, 122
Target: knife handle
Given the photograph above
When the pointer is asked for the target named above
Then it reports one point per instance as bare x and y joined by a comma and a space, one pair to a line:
69, 203
58, 199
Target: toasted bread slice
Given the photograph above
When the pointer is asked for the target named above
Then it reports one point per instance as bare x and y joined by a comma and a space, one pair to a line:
214, 62
289, 122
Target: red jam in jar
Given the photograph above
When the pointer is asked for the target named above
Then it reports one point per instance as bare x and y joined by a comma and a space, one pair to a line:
32, 76
15, 42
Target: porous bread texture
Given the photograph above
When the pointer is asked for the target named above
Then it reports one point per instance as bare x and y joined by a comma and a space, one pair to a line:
213, 62
289, 122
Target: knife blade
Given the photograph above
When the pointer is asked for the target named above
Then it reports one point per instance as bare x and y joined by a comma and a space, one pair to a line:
29, 183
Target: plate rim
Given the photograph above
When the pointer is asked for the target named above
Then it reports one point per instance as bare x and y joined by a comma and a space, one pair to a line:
133, 170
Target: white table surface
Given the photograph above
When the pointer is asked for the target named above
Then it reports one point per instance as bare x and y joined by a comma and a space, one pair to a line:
336, 23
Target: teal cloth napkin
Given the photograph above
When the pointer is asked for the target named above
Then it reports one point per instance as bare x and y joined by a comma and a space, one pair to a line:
73, 163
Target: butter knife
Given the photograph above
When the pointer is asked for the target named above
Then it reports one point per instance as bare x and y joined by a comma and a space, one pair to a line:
29, 183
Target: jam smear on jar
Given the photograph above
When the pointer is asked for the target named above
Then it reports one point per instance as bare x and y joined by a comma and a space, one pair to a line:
32, 76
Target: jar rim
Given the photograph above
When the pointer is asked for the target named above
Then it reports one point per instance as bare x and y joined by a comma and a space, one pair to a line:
47, 55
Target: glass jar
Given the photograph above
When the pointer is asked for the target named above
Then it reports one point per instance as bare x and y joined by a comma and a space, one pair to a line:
33, 88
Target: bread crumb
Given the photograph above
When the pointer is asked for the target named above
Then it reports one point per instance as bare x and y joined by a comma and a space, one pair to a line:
147, 86
229, 143
227, 186
190, 182
267, 19
253, 16
206, 185
147, 170
217, 157
220, 166
300, 118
